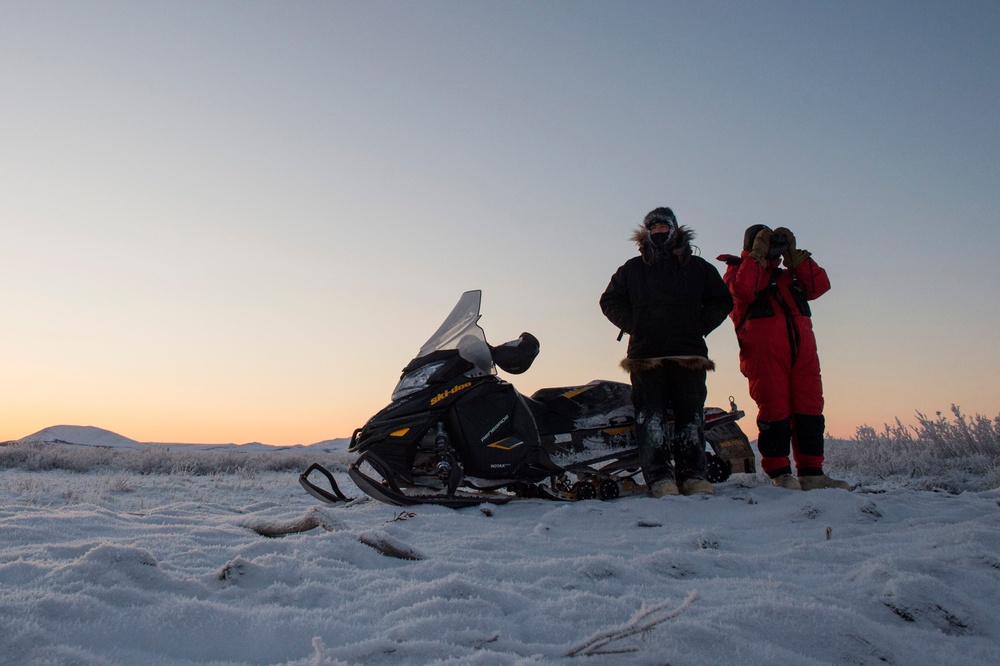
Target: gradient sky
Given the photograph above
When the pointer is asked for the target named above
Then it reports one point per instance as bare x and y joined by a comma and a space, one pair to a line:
237, 221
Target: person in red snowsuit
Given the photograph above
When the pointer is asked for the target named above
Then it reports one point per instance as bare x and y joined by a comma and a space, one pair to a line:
778, 353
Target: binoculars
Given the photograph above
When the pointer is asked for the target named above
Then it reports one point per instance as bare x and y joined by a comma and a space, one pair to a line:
779, 244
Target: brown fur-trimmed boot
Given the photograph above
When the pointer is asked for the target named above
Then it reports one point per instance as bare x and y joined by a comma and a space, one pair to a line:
664, 488
786, 481
819, 481
696, 487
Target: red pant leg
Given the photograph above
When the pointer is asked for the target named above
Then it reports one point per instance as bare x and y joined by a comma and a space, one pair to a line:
808, 425
765, 360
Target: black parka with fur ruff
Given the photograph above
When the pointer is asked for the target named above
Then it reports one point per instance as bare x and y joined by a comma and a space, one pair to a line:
667, 300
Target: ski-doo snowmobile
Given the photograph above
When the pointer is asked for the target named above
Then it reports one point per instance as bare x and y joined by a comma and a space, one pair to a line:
455, 434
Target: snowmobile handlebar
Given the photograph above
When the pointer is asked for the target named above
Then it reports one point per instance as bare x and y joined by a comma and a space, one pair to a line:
517, 355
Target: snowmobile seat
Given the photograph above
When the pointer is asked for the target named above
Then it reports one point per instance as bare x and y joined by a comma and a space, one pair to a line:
548, 421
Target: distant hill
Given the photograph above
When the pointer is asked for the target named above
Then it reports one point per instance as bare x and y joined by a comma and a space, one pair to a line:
80, 436
331, 445
91, 436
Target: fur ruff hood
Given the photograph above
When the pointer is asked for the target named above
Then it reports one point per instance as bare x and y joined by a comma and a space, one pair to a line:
679, 245
631, 365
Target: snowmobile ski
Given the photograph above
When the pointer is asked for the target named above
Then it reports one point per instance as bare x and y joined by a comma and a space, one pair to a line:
332, 496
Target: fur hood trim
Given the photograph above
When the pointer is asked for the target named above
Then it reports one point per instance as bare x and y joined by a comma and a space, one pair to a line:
679, 246
631, 365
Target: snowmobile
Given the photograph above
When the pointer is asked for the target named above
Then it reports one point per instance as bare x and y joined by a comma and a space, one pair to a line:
456, 435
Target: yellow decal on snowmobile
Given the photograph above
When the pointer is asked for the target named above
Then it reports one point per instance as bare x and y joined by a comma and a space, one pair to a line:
452, 391
573, 394
503, 445
399, 433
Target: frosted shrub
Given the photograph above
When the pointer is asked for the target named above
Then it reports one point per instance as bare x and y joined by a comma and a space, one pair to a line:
938, 437
937, 453
164, 460
120, 483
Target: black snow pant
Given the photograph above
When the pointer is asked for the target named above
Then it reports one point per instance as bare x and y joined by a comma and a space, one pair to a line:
669, 406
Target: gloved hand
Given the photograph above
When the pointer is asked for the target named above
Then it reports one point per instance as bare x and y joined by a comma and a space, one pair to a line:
761, 244
793, 256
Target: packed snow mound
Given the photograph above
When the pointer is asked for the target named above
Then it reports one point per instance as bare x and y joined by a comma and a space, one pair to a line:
80, 436
135, 568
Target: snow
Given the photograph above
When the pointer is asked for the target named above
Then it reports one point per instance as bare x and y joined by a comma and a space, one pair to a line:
115, 567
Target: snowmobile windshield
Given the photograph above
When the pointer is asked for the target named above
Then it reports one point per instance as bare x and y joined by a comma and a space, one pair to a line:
459, 332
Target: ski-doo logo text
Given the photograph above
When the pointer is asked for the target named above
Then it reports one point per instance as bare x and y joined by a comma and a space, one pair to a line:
452, 391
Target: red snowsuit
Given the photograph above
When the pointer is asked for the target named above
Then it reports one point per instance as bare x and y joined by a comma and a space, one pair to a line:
779, 358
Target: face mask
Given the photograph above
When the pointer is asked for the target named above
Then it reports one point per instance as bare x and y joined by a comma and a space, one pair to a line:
661, 239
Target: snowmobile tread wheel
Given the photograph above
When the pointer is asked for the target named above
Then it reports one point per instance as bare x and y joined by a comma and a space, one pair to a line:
717, 470
584, 490
609, 490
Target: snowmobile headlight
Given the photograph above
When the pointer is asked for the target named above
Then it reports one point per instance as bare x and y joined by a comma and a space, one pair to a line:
415, 380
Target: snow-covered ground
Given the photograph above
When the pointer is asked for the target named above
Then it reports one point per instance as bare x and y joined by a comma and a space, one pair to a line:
116, 567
